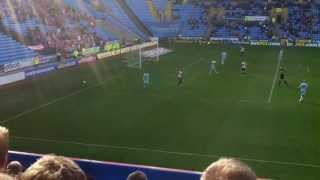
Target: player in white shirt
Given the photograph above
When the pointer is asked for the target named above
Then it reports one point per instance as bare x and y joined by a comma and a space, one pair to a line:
146, 80
303, 90
243, 67
223, 57
212, 67
180, 77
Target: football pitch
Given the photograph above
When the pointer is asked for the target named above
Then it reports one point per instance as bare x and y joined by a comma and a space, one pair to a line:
112, 117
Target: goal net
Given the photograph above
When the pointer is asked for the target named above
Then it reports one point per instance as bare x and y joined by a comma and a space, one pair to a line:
135, 59
143, 53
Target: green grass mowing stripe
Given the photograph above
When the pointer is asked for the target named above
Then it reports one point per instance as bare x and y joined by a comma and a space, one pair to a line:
74, 94
104, 146
46, 104
56, 100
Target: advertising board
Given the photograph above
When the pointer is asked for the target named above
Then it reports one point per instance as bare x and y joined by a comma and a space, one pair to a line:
67, 64
39, 71
88, 59
126, 50
224, 39
47, 59
255, 18
90, 51
10, 78
15, 65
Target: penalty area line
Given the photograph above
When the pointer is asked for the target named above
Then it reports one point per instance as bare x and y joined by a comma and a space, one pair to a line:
54, 101
45, 105
103, 146
193, 63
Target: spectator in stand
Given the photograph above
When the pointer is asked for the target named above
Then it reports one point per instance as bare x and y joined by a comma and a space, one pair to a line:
228, 169
14, 169
4, 147
137, 175
51, 167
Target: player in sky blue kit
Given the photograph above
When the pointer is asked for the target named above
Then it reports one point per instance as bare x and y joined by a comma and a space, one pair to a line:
303, 90
212, 67
223, 57
146, 80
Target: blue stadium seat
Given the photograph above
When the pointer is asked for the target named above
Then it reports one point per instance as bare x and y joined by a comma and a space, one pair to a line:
10, 50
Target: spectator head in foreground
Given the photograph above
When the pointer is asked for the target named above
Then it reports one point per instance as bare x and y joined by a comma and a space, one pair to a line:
228, 169
137, 175
14, 168
4, 147
51, 167
4, 176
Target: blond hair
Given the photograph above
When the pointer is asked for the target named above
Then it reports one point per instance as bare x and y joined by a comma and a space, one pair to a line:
51, 167
4, 147
228, 169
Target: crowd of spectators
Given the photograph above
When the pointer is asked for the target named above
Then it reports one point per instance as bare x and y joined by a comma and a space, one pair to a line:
64, 28
53, 167
301, 22
60, 27
18, 8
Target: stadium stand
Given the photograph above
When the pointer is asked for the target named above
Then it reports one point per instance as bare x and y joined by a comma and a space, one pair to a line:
113, 17
11, 50
20, 27
121, 16
190, 25
153, 15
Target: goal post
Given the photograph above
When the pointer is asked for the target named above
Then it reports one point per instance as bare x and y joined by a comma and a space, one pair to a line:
135, 58
156, 39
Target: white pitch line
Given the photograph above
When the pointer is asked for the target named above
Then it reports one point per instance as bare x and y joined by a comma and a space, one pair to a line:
194, 63
283, 163
279, 59
45, 105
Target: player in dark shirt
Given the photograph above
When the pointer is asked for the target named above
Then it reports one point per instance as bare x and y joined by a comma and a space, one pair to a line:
282, 77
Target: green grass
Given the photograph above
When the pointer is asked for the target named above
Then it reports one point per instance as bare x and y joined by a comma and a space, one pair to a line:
223, 115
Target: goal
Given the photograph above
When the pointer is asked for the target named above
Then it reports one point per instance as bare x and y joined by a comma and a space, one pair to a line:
137, 56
